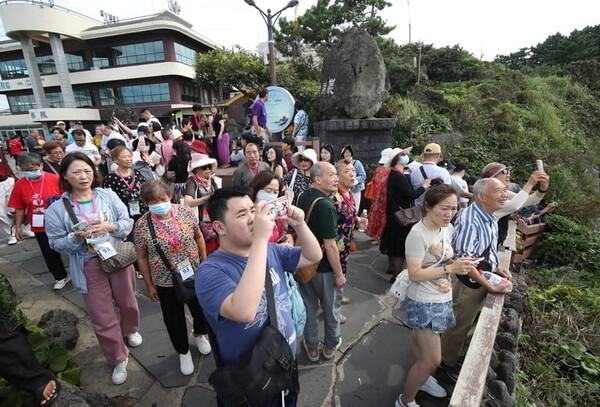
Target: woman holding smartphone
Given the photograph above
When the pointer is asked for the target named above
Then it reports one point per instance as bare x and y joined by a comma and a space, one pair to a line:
102, 219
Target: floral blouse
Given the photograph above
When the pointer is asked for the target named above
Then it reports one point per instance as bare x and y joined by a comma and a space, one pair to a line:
346, 216
127, 189
186, 248
301, 183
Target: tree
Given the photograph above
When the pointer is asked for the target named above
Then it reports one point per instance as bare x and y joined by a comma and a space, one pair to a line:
227, 70
323, 24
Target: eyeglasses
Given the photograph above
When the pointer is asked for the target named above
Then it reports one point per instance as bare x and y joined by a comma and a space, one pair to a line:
80, 141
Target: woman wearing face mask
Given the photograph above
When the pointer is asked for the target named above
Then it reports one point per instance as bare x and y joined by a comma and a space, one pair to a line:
30, 198
102, 219
179, 237
266, 186
399, 195
198, 190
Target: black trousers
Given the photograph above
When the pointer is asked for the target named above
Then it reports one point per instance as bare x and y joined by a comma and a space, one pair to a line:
52, 258
18, 364
174, 316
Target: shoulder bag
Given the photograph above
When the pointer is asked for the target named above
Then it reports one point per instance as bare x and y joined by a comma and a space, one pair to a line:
257, 377
297, 305
407, 217
185, 291
305, 274
126, 253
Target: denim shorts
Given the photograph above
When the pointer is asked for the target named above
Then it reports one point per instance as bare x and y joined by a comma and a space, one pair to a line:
436, 317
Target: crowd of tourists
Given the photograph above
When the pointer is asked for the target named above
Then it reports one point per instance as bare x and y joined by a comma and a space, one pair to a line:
290, 210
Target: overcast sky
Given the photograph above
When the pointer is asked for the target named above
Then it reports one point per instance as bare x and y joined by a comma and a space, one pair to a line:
482, 27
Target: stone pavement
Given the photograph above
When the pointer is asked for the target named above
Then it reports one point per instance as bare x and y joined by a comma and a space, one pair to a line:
369, 369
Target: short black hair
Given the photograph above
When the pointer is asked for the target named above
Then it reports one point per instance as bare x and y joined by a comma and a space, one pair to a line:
289, 140
197, 107
299, 105
217, 204
114, 142
78, 132
144, 110
262, 93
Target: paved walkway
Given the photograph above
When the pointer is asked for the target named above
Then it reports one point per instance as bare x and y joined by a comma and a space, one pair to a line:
369, 369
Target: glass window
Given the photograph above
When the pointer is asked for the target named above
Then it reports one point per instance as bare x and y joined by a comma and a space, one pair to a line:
76, 63
13, 69
46, 64
55, 100
21, 103
184, 54
129, 54
156, 92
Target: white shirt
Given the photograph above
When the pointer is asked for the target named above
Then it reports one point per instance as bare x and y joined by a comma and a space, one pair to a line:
432, 171
88, 149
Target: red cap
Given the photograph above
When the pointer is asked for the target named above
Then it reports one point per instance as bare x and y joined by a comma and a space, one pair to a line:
198, 146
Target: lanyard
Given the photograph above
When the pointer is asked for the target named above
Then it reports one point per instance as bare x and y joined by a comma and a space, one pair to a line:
94, 207
253, 173
37, 196
133, 183
173, 239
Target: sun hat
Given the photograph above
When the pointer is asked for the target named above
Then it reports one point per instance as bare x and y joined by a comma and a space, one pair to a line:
493, 169
198, 146
200, 160
385, 154
394, 153
308, 153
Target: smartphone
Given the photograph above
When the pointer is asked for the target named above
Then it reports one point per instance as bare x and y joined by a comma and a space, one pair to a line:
81, 226
280, 206
540, 165
478, 260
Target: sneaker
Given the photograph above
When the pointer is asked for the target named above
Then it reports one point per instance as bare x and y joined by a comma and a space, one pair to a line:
401, 404
139, 275
330, 356
432, 387
60, 284
450, 372
311, 358
202, 343
29, 234
12, 240
135, 340
120, 372
186, 364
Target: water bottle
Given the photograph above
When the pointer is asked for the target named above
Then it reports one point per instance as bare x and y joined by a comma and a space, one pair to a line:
362, 224
495, 279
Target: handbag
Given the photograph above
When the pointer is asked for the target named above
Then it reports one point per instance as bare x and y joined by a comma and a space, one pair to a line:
297, 305
305, 274
407, 217
126, 253
257, 377
369, 191
185, 291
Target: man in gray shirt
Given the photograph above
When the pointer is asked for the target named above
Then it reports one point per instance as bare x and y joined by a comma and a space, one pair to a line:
244, 173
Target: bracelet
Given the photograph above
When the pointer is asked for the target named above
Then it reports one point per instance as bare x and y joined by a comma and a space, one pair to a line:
444, 270
543, 191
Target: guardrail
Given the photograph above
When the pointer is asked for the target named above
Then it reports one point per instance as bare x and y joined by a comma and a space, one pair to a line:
471, 381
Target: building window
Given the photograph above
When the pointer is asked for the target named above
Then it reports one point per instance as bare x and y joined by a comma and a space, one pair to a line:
21, 103
76, 63
129, 54
83, 98
46, 64
13, 69
185, 55
152, 93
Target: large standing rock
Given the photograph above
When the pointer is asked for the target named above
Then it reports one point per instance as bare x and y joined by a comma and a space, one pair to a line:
354, 78
61, 328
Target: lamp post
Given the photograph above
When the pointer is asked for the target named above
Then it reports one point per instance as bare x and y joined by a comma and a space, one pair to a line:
270, 20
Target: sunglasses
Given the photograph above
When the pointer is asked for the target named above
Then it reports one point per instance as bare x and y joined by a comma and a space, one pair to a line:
205, 167
306, 160
505, 171
80, 141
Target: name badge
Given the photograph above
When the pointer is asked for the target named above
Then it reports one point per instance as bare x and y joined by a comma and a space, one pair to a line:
134, 208
105, 250
185, 269
37, 220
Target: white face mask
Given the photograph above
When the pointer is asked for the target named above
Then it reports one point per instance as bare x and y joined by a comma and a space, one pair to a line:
265, 196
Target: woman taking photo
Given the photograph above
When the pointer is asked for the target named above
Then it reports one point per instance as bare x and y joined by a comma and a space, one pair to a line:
198, 190
109, 298
400, 194
30, 198
266, 186
178, 235
55, 153
274, 157
429, 297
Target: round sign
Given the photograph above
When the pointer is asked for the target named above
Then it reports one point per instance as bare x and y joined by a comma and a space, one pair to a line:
280, 109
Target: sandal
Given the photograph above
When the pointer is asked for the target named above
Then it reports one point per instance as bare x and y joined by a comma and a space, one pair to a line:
53, 397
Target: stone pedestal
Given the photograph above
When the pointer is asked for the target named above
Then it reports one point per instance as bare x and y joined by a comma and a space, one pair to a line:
367, 136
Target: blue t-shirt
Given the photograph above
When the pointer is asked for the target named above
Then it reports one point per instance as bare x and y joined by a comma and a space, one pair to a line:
218, 276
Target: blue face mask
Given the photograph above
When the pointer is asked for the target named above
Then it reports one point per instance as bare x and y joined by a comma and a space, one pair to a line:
160, 209
404, 159
32, 174
265, 196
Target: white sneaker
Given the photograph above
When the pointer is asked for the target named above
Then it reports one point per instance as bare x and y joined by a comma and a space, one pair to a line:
60, 284
120, 372
202, 343
432, 387
139, 275
409, 404
12, 240
186, 364
29, 234
135, 340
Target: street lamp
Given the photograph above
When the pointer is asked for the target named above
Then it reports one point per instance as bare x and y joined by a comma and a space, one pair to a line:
270, 20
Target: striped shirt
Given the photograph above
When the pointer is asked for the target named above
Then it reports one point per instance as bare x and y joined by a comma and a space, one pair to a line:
474, 231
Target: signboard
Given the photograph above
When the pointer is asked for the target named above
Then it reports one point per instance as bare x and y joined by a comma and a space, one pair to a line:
280, 109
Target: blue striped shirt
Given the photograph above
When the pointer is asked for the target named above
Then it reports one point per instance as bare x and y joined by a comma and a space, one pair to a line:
474, 231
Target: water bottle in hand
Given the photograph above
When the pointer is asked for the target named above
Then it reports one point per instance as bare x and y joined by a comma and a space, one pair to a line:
362, 223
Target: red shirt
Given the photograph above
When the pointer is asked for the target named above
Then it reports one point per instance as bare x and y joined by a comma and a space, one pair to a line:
15, 147
22, 196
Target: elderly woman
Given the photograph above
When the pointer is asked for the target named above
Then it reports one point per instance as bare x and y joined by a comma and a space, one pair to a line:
400, 194
109, 297
179, 238
30, 198
60, 136
298, 180
348, 155
55, 152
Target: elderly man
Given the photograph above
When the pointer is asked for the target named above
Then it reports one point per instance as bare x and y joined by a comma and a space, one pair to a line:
244, 173
32, 143
475, 235
431, 155
325, 287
